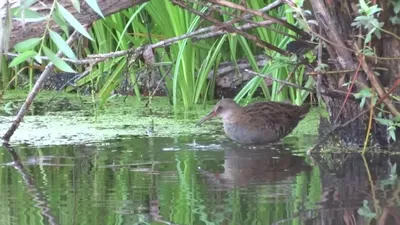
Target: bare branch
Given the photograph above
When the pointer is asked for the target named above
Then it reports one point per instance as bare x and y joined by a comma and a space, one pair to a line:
246, 26
375, 83
326, 91
257, 41
260, 14
35, 90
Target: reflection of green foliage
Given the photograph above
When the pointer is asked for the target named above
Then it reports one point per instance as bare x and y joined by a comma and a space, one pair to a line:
392, 125
393, 178
113, 183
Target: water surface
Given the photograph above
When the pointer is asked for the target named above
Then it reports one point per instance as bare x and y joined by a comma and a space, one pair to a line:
194, 180
128, 164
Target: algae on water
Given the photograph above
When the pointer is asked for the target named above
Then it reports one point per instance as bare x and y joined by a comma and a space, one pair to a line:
82, 122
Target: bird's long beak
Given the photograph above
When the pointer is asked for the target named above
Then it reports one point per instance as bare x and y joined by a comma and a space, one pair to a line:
207, 117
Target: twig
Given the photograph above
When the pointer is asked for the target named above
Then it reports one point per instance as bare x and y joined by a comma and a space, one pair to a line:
96, 58
327, 91
371, 114
325, 20
158, 85
335, 127
348, 92
35, 90
371, 183
343, 71
320, 48
281, 81
318, 82
260, 14
246, 26
160, 81
247, 16
376, 84
290, 76
242, 19
235, 19
257, 41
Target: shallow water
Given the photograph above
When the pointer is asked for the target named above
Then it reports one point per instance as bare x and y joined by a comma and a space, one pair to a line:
193, 180
122, 166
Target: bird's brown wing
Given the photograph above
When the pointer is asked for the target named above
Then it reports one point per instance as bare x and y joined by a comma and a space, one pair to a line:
277, 116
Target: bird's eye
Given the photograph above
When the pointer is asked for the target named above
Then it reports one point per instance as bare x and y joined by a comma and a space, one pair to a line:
219, 108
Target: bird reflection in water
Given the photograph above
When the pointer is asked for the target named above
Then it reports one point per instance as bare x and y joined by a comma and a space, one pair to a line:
260, 165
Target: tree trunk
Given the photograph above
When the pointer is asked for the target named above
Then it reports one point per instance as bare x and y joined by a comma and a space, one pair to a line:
334, 19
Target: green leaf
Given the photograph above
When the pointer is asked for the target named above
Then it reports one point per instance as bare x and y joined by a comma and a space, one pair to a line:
362, 103
76, 4
21, 58
38, 59
61, 44
396, 119
28, 3
395, 20
366, 92
367, 38
59, 63
364, 6
27, 44
93, 4
393, 168
346, 84
362, 18
368, 51
27, 15
56, 15
396, 6
111, 82
73, 21
365, 211
356, 24
377, 33
385, 122
374, 9
392, 134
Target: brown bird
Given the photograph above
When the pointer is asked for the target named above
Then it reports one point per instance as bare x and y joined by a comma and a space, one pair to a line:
257, 123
